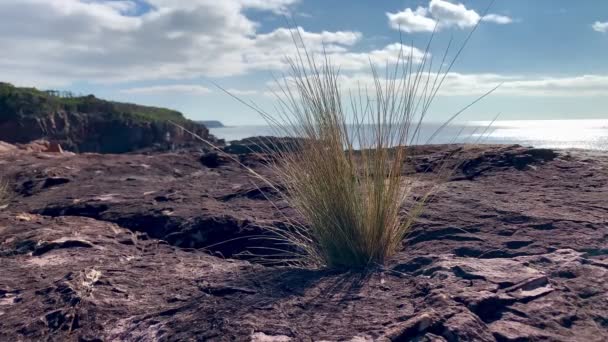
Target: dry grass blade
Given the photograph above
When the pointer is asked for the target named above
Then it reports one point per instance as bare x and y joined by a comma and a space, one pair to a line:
344, 173
350, 199
3, 192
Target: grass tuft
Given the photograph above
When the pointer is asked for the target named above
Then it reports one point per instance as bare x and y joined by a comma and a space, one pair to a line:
346, 176
345, 172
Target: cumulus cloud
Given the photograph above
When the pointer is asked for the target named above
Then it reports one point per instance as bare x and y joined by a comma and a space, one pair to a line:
390, 54
57, 42
600, 26
164, 89
269, 50
459, 84
441, 14
274, 54
468, 85
412, 21
449, 14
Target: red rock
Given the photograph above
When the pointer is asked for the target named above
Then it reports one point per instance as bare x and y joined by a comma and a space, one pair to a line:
40, 145
514, 332
101, 247
53, 147
5, 147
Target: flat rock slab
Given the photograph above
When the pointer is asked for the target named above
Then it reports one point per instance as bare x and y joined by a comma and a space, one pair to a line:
106, 247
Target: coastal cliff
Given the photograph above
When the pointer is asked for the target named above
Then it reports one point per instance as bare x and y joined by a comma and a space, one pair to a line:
89, 124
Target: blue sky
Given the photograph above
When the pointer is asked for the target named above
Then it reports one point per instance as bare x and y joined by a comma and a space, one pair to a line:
550, 55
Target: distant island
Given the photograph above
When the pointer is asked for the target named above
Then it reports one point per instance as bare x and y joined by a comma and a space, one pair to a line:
211, 123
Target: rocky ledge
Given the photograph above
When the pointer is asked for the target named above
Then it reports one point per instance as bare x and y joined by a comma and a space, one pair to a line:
129, 247
89, 124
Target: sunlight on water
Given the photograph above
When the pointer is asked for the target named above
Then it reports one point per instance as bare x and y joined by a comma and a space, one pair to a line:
582, 134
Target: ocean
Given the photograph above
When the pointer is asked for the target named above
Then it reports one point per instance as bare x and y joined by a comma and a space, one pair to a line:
589, 134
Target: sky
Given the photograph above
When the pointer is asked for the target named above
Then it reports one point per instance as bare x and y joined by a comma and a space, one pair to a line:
548, 55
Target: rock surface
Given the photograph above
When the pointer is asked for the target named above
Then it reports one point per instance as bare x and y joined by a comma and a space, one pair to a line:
262, 144
111, 247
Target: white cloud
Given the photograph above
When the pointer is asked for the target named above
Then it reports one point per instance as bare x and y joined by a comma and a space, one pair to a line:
276, 6
459, 84
390, 54
242, 92
412, 21
600, 26
56, 42
584, 85
164, 89
269, 50
471, 85
273, 56
497, 19
449, 14
441, 14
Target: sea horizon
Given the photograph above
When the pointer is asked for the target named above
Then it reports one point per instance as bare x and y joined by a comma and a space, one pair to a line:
586, 134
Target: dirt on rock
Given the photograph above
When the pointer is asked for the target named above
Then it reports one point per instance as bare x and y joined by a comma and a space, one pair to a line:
513, 247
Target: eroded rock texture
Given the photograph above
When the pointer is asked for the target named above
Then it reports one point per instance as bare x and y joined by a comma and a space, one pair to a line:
110, 247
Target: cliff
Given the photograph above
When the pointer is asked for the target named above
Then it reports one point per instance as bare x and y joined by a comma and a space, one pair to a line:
89, 124
212, 123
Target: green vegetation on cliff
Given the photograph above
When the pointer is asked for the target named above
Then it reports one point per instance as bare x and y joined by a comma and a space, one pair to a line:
18, 102
89, 124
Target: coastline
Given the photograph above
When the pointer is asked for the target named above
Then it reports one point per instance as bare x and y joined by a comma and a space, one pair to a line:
589, 134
